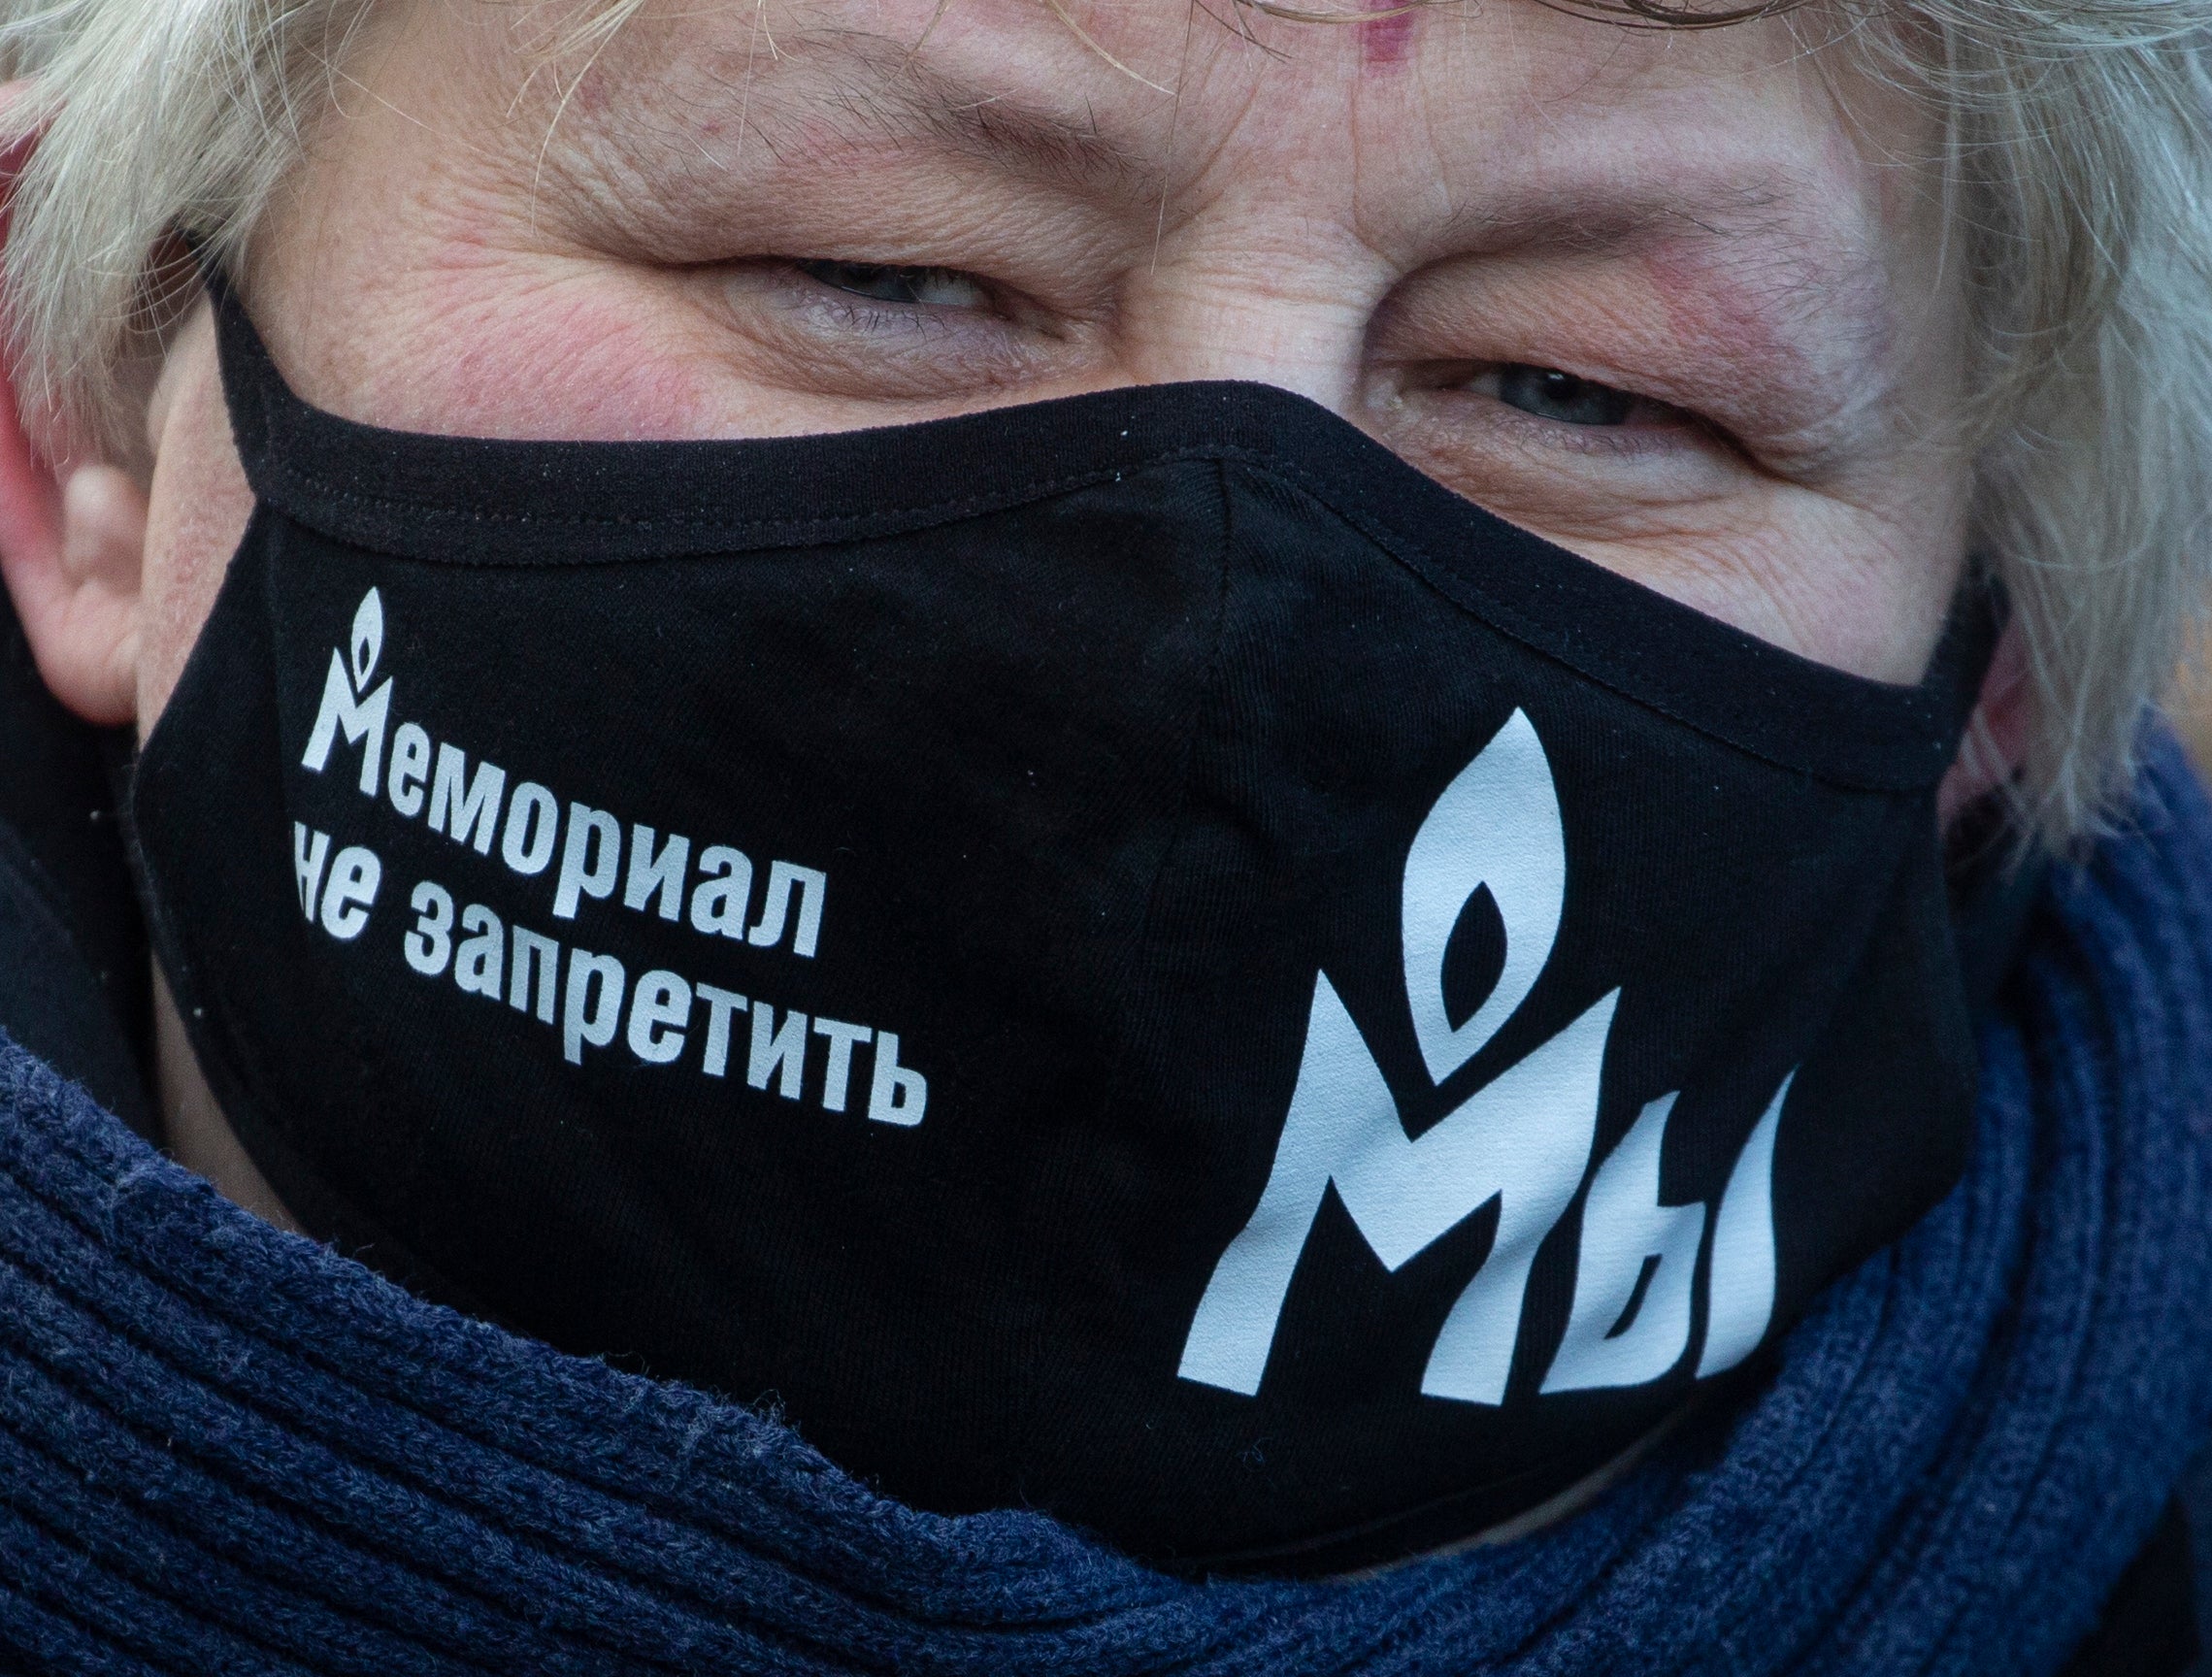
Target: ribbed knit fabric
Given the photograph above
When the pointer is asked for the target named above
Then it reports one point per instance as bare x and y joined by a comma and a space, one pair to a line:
223, 1449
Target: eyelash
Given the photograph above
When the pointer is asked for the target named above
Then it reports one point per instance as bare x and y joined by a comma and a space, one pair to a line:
875, 297
868, 280
852, 296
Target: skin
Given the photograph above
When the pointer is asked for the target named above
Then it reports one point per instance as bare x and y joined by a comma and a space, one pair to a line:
1390, 217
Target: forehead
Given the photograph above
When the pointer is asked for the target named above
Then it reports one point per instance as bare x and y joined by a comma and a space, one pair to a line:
1455, 124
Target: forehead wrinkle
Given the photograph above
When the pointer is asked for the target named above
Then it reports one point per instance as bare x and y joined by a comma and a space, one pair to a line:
852, 92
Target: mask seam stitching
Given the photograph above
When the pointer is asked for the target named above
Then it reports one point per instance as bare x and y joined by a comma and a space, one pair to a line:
1206, 691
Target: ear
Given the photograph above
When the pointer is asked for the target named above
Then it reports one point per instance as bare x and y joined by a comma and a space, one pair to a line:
1996, 735
72, 544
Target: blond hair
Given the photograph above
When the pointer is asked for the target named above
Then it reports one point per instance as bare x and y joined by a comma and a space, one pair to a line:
2078, 164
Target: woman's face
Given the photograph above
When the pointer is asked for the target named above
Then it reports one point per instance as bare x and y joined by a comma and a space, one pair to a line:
1673, 300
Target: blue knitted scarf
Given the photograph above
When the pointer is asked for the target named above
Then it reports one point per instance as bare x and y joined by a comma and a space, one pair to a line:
224, 1449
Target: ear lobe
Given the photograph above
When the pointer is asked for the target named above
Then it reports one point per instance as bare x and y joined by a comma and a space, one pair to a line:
88, 647
71, 557
72, 546
1996, 737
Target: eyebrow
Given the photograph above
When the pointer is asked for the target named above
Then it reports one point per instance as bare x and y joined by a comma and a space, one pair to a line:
1749, 229
1605, 218
919, 103
897, 99
867, 91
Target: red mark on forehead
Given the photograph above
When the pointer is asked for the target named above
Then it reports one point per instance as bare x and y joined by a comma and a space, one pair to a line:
1385, 41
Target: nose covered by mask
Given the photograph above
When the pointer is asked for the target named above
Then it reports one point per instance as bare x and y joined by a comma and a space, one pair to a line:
1132, 955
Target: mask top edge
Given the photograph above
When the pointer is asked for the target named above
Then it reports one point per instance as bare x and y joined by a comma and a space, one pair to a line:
454, 500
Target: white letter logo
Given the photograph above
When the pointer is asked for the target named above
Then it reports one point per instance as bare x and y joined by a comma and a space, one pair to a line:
1497, 825
346, 703
1523, 1139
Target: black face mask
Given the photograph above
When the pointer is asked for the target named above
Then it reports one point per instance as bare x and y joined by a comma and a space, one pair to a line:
1133, 956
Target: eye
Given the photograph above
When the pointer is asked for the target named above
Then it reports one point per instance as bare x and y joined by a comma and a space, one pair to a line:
1561, 397
930, 287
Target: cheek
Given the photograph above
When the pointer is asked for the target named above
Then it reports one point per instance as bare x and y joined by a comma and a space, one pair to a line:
1859, 590
198, 508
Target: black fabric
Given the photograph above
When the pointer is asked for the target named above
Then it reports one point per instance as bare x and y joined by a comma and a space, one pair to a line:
74, 976
467, 501
1994, 882
1320, 1018
2149, 1627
